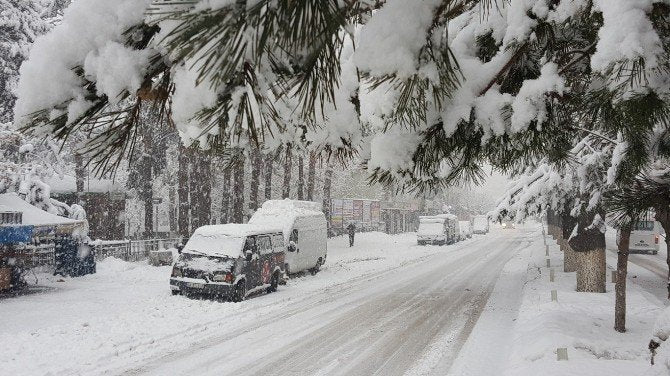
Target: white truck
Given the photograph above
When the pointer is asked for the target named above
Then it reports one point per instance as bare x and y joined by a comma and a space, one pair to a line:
645, 237
432, 230
465, 229
305, 232
480, 224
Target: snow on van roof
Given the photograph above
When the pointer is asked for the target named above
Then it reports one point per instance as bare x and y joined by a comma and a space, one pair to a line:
236, 229
446, 215
431, 219
284, 213
224, 240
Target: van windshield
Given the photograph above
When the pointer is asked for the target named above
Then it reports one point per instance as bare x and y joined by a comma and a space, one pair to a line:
215, 245
431, 228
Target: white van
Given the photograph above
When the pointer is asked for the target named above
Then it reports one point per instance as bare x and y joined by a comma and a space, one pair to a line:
466, 229
451, 226
432, 230
645, 237
305, 232
480, 224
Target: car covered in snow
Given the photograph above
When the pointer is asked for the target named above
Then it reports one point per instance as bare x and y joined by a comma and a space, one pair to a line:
439, 229
480, 224
229, 261
465, 228
508, 224
305, 231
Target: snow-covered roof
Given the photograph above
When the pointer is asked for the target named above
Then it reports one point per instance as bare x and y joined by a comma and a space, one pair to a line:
224, 240
283, 213
11, 202
236, 229
68, 183
431, 219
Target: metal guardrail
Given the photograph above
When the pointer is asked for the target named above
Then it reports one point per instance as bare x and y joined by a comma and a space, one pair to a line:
42, 256
132, 250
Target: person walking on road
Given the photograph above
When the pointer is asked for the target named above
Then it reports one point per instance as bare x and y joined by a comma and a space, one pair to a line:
351, 229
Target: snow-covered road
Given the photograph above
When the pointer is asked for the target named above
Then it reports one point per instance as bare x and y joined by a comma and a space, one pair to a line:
378, 308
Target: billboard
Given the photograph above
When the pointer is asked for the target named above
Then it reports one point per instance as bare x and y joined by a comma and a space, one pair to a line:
375, 211
347, 210
358, 210
336, 219
366, 211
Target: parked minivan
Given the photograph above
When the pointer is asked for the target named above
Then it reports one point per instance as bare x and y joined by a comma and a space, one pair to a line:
645, 237
465, 229
229, 261
305, 232
480, 224
451, 226
432, 230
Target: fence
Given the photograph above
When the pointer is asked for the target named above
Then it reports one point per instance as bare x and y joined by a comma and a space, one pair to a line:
132, 250
42, 256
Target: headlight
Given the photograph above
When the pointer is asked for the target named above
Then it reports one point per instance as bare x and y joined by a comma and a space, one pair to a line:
223, 277
176, 272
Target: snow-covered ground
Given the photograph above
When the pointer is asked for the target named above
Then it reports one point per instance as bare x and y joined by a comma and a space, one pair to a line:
583, 322
385, 304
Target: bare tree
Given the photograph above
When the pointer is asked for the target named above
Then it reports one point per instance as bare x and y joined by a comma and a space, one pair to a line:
327, 185
225, 195
286, 187
311, 176
269, 166
256, 166
301, 178
182, 192
238, 189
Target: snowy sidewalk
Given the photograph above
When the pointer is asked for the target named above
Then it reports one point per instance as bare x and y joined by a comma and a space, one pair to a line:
487, 348
580, 322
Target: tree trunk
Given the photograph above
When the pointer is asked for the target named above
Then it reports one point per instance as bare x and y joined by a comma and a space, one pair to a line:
204, 168
568, 223
195, 198
238, 190
663, 216
182, 193
225, 195
301, 178
269, 166
80, 177
620, 286
327, 185
255, 178
146, 186
286, 187
589, 243
311, 176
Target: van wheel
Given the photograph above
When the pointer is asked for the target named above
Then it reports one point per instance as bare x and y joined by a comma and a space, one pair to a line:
240, 292
273, 283
316, 267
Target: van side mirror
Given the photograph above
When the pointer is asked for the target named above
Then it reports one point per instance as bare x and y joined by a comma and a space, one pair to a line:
248, 255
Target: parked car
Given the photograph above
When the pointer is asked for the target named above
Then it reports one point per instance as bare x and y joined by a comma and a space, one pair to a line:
466, 229
480, 224
432, 230
644, 238
451, 226
508, 225
229, 261
305, 232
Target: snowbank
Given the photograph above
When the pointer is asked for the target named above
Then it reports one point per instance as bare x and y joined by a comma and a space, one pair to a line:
583, 323
125, 313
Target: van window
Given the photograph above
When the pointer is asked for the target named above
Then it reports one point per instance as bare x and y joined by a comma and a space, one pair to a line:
264, 245
278, 242
250, 244
644, 226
